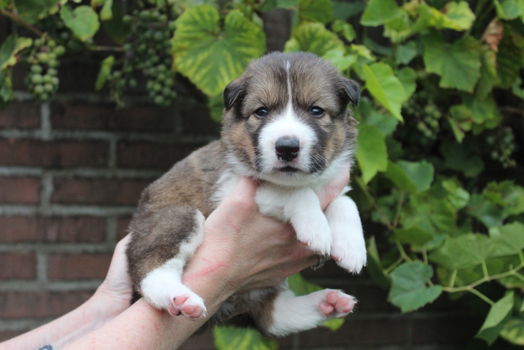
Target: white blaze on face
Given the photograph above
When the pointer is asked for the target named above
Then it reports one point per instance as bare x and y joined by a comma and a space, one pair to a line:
287, 123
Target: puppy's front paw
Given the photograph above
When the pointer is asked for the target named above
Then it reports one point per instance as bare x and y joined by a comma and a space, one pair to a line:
351, 257
315, 232
336, 304
188, 304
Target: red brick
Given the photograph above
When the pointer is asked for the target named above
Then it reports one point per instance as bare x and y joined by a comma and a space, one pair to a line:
359, 333
152, 155
107, 117
98, 192
17, 266
20, 115
19, 190
451, 329
18, 304
54, 154
77, 266
52, 229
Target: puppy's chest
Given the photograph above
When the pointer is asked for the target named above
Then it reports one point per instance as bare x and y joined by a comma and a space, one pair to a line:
271, 199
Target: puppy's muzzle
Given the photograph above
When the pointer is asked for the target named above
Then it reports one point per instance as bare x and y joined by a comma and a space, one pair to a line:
287, 148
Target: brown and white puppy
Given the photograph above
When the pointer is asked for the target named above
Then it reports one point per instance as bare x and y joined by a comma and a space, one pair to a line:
286, 123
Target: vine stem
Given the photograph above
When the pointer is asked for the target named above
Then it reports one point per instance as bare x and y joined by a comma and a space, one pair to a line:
402, 251
471, 286
481, 296
394, 265
15, 18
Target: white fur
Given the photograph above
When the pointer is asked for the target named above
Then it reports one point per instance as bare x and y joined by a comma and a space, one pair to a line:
349, 247
298, 313
163, 284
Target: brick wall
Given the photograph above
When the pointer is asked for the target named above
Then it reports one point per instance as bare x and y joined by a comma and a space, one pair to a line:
70, 175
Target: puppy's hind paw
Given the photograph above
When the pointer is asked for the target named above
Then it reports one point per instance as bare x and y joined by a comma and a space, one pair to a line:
336, 304
188, 304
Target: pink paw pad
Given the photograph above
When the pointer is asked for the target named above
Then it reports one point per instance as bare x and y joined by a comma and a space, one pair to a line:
187, 306
337, 304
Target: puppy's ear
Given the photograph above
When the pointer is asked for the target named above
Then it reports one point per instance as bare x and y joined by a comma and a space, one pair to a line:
233, 92
351, 90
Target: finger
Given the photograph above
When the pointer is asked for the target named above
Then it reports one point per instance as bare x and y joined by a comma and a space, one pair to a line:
334, 188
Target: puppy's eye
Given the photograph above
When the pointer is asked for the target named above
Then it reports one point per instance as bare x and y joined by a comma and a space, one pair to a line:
262, 112
316, 111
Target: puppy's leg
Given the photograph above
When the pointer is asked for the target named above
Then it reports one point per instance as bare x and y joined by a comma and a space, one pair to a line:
302, 209
349, 247
289, 313
157, 258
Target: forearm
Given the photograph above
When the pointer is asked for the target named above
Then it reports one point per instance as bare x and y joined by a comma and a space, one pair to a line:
63, 330
142, 326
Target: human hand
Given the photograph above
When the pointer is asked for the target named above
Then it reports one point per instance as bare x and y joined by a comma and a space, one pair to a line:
114, 294
245, 250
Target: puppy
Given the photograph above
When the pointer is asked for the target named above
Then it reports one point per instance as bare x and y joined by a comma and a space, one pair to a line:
285, 123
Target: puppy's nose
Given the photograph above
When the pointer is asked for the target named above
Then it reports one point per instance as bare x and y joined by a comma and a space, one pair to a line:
287, 148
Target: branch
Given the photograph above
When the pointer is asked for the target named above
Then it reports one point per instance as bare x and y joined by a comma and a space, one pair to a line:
17, 19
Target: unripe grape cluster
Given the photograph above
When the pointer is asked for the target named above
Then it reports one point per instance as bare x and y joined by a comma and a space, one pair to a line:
502, 144
423, 114
42, 80
149, 52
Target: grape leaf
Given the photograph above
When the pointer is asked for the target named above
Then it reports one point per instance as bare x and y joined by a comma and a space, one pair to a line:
458, 64
513, 331
385, 87
315, 38
408, 286
491, 327
33, 10
463, 251
211, 56
315, 10
411, 176
234, 338
378, 12
105, 71
371, 154
82, 21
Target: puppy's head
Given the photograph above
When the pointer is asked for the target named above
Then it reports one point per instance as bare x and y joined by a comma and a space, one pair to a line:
286, 118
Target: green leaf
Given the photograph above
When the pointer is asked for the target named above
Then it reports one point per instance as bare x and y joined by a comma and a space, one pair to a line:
456, 195
461, 158
463, 251
513, 331
10, 48
386, 123
107, 10
233, 338
212, 57
411, 176
385, 87
374, 267
379, 12
339, 59
507, 195
82, 21
408, 286
405, 53
315, 38
315, 10
458, 64
455, 16
415, 235
507, 239
116, 28
496, 315
407, 77
33, 10
509, 57
104, 72
509, 9
344, 29
371, 151
6, 87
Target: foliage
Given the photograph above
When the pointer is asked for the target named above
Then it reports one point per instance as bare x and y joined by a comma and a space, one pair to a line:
439, 119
